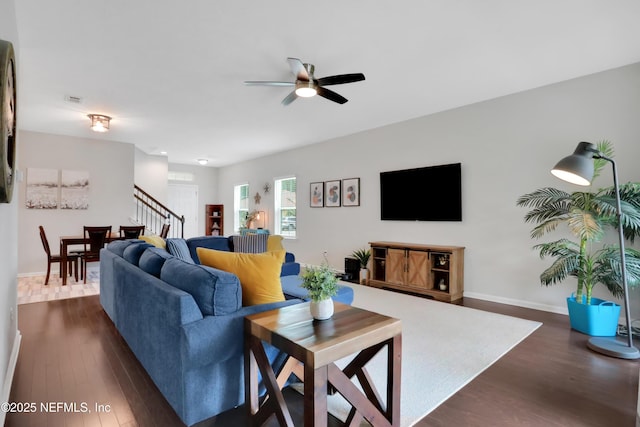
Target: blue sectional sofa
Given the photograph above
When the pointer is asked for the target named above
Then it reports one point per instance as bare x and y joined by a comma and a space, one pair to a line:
184, 321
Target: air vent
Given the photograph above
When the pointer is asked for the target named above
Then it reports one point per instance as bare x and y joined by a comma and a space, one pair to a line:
73, 99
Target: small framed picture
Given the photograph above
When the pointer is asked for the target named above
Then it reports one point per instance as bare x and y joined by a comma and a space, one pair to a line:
316, 191
332, 194
351, 192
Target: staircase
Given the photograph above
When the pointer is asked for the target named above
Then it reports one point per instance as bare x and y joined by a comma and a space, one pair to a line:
154, 215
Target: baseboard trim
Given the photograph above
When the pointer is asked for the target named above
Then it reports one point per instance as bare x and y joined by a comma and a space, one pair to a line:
518, 303
11, 368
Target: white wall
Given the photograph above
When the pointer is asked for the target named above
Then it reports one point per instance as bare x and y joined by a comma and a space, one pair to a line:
151, 174
9, 335
507, 147
206, 178
111, 173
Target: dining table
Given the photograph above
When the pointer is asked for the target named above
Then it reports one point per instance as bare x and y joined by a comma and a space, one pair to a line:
66, 241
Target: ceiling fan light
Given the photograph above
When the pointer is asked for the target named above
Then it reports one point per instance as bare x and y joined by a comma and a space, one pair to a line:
306, 89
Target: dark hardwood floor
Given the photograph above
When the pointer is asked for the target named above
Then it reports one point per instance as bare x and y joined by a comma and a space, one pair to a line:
71, 353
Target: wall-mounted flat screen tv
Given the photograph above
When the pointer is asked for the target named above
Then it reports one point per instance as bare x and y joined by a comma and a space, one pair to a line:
431, 193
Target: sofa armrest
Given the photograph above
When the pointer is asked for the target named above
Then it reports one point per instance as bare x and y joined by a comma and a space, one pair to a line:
219, 338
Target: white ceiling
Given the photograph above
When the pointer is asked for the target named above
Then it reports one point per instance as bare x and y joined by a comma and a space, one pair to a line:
171, 72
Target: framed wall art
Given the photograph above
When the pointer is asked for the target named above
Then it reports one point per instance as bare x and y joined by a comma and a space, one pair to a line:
316, 191
42, 188
74, 192
332, 193
351, 192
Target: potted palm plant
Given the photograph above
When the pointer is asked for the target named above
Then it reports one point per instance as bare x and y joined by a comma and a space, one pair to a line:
322, 284
362, 256
588, 215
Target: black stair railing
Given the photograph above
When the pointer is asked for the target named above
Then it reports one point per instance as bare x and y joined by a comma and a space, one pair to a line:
154, 215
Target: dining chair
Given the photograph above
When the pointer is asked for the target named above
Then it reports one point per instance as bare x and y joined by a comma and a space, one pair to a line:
51, 259
131, 231
94, 240
165, 231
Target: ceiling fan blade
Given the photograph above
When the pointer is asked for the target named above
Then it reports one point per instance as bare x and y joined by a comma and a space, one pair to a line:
297, 68
268, 83
290, 98
331, 95
340, 79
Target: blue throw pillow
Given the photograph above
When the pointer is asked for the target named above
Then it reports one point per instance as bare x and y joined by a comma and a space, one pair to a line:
118, 246
153, 259
216, 292
133, 252
179, 249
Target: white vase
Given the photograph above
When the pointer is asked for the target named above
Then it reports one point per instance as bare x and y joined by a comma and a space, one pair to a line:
322, 310
364, 274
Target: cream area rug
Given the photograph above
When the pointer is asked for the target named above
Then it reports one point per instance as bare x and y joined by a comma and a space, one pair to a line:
444, 347
31, 288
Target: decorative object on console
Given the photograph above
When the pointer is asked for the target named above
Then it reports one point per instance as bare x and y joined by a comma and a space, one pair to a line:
316, 192
322, 284
332, 193
252, 216
578, 168
351, 192
362, 255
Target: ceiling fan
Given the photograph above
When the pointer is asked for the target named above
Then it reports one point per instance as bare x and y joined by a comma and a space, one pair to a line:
306, 85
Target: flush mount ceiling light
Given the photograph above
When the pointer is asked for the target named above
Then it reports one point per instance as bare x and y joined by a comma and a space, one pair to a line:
203, 161
99, 122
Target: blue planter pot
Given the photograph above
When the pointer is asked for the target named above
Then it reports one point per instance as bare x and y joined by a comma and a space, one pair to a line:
598, 319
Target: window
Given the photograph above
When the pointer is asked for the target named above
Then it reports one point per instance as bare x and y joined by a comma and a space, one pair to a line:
285, 207
240, 205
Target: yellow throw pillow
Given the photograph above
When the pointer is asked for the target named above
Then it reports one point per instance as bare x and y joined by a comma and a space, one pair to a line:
259, 274
274, 243
156, 241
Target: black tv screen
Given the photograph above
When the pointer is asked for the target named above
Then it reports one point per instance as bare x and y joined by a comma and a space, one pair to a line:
431, 193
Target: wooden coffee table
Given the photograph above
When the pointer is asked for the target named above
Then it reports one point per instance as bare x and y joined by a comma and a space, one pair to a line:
313, 346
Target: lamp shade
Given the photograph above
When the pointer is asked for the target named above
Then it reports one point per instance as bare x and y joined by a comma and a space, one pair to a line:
578, 167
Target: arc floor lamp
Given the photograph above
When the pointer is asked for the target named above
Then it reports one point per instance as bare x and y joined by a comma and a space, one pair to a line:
578, 169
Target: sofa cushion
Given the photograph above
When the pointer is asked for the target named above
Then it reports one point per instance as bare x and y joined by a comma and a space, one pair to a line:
178, 248
274, 243
118, 246
210, 242
216, 292
259, 274
152, 260
133, 252
156, 241
251, 243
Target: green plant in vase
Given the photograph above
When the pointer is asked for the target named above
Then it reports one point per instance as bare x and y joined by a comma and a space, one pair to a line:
321, 284
588, 215
362, 256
